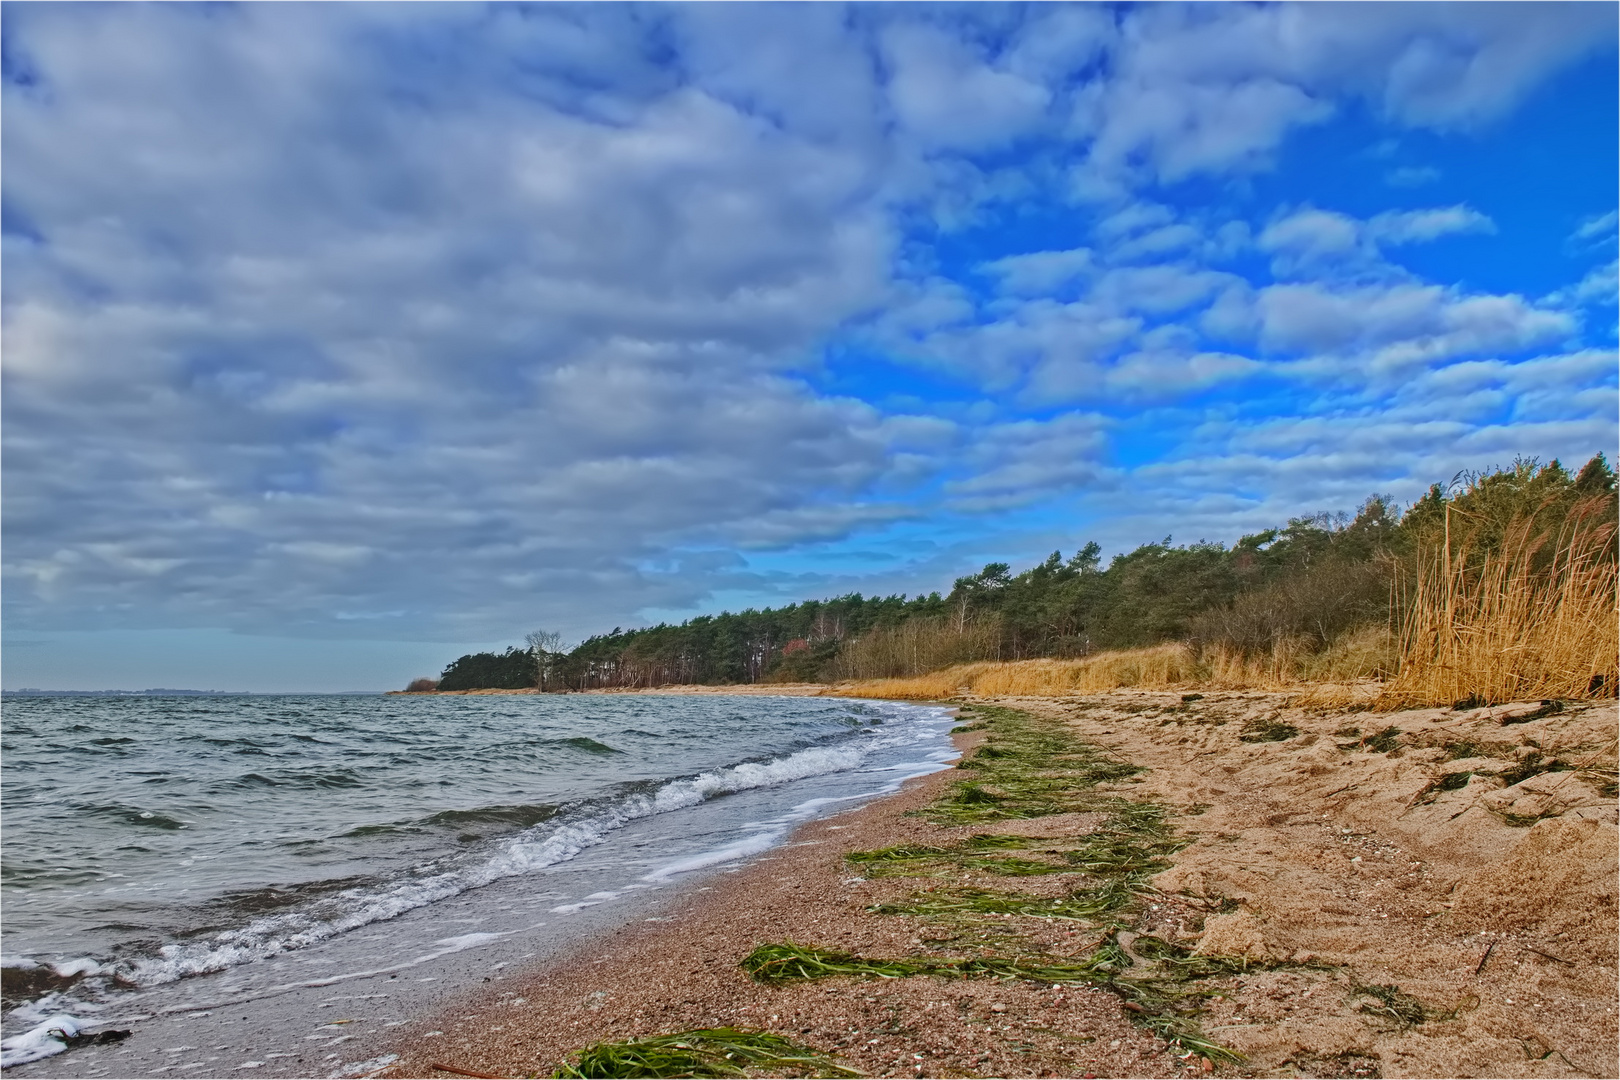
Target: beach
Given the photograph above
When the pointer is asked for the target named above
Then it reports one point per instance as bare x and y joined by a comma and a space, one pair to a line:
1424, 893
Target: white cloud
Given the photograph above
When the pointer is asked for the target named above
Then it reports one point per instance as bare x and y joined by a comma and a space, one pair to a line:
1027, 461
1040, 272
1421, 226
1312, 240
1398, 326
948, 97
1206, 88
1411, 176
1311, 243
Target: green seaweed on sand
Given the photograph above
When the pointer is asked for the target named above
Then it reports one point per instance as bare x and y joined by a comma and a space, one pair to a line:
896, 854
1028, 768
1132, 843
1160, 1002
1012, 866
1025, 769
706, 1052
790, 962
983, 851
1451, 781
1082, 905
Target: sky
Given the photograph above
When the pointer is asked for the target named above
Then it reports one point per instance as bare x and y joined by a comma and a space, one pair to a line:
339, 340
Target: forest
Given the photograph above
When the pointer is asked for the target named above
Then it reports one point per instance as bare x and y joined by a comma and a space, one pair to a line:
1308, 583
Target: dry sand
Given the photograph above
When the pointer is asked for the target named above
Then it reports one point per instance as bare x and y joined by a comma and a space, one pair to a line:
1493, 904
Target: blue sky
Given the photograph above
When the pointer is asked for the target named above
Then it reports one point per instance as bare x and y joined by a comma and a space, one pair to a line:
339, 340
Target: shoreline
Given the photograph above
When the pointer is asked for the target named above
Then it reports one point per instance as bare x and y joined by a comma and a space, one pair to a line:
1334, 870
386, 973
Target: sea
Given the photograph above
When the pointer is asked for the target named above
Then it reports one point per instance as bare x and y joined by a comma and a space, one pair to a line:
188, 855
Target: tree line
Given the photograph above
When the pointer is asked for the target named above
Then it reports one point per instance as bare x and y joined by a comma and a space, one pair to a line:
1309, 582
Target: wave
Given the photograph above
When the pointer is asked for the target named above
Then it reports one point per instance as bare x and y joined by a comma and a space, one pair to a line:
590, 746
552, 841
522, 815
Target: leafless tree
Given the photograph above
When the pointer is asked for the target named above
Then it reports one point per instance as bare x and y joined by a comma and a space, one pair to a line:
544, 645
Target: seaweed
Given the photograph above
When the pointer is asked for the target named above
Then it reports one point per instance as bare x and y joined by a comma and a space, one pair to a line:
1385, 741
1272, 730
1082, 905
1025, 769
705, 1052
1394, 1004
1156, 1004
790, 962
1549, 707
1452, 781
1532, 764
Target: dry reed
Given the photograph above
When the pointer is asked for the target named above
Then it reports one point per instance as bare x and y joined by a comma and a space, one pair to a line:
1158, 668
1534, 617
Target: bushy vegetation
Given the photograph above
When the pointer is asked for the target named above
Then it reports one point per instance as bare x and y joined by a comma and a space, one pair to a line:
1302, 596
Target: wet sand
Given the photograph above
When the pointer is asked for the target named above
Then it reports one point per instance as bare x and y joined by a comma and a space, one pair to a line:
1490, 903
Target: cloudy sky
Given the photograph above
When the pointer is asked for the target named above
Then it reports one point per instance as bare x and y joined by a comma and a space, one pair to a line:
339, 340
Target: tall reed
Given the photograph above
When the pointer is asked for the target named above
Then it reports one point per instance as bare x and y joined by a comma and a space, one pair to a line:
1533, 616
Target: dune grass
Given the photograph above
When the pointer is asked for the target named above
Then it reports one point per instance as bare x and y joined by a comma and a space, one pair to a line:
1161, 667
1171, 666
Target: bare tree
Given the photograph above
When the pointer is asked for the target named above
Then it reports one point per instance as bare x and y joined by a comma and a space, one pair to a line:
544, 645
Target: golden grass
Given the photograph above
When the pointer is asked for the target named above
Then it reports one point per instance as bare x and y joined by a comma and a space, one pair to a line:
1161, 667
1535, 618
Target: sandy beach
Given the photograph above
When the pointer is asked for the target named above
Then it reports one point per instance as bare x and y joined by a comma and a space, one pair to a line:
1413, 894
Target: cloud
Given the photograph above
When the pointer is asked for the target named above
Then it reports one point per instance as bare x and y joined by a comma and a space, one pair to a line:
946, 96
1040, 272
377, 358
1421, 226
1025, 461
1388, 328
1312, 242
1411, 176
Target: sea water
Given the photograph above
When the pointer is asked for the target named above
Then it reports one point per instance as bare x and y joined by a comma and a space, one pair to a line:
241, 842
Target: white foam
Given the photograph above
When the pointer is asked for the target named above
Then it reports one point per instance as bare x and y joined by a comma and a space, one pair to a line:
741, 849
82, 966
48, 1038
